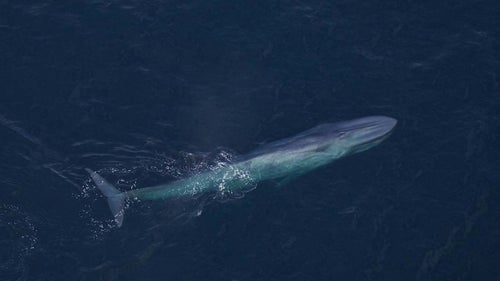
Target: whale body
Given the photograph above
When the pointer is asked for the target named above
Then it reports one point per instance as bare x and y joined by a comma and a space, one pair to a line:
282, 159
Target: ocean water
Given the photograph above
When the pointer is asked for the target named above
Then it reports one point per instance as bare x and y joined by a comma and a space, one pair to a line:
146, 92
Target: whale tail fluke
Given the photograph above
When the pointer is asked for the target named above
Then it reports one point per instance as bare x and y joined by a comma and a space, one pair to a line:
116, 199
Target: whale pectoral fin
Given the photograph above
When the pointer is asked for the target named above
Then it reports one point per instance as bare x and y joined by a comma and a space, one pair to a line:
287, 180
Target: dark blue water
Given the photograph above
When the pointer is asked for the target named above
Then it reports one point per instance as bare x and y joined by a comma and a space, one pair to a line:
150, 91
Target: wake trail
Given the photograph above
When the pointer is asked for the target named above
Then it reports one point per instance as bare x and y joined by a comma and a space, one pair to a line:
46, 151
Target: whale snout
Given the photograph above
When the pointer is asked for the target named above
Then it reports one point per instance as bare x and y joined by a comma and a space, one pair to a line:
379, 126
366, 132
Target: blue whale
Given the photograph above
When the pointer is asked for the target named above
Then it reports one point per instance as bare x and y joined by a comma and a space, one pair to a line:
281, 159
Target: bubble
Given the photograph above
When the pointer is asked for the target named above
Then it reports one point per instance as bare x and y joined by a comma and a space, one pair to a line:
234, 183
18, 240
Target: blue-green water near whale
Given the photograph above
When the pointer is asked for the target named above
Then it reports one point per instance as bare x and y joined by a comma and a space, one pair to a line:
148, 92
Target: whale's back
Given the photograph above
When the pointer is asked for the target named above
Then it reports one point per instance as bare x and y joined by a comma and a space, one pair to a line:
314, 139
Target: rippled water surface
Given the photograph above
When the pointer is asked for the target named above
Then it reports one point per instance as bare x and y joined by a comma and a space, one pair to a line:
148, 92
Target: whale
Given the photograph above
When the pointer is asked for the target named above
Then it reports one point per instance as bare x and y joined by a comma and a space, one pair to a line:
282, 160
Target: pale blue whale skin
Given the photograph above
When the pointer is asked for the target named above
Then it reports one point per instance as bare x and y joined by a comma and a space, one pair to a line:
286, 158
